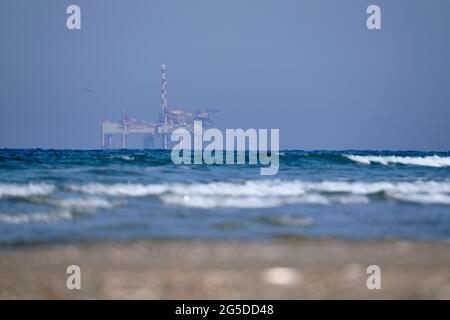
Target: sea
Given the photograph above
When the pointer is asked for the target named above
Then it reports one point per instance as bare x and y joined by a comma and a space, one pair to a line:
72, 196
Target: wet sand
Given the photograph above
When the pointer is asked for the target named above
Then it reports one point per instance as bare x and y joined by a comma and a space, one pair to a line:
296, 269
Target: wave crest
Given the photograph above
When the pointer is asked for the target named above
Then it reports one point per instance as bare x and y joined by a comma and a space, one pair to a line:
272, 193
25, 190
428, 161
25, 218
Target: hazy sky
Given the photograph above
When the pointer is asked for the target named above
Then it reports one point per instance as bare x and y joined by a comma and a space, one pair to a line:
310, 68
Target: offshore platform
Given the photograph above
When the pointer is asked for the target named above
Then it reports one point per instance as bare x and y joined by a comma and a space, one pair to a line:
155, 134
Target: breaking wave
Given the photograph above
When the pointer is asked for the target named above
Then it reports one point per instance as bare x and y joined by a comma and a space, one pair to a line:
258, 202
120, 189
65, 209
25, 218
25, 190
82, 205
272, 193
428, 161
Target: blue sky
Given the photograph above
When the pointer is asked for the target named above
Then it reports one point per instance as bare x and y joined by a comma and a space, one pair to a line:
310, 68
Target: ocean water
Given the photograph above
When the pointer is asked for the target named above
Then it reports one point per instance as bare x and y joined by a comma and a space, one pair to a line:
56, 196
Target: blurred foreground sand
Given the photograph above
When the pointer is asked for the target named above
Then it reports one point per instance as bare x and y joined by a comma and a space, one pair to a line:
311, 269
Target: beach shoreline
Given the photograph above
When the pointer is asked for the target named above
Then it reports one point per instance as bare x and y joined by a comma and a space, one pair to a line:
222, 269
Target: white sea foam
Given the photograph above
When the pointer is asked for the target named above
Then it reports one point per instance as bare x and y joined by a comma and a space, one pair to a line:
124, 157
24, 218
85, 205
203, 201
272, 193
437, 198
263, 188
120, 189
67, 207
25, 190
247, 194
428, 161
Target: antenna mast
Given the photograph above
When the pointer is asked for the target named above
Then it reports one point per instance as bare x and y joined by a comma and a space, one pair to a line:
164, 103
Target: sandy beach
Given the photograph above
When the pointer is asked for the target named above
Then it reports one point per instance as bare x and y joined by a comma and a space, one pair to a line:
287, 269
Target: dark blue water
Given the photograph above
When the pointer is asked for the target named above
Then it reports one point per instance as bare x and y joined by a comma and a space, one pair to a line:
51, 196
